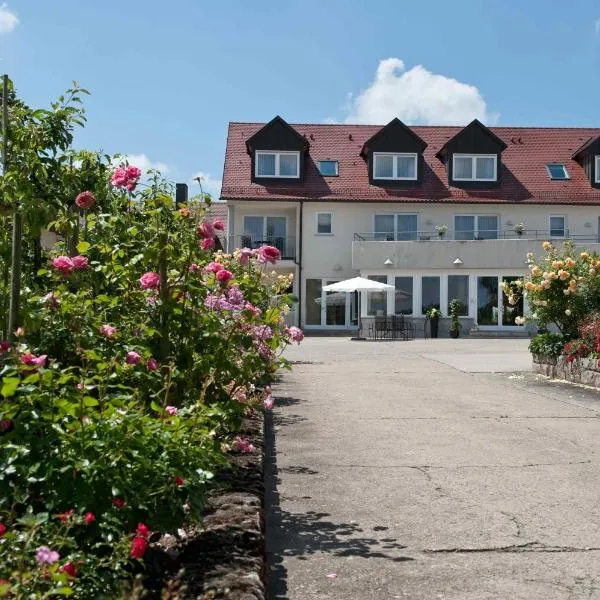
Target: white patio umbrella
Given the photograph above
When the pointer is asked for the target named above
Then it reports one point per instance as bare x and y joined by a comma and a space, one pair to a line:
358, 284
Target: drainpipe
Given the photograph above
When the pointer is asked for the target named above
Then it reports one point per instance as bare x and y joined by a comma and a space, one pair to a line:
299, 264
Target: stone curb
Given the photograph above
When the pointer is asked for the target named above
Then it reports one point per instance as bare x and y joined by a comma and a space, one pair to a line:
583, 370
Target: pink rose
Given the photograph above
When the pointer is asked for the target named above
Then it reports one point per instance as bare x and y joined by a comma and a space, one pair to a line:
63, 264
46, 556
224, 276
207, 244
119, 177
108, 331
205, 230
245, 255
51, 299
268, 402
85, 200
296, 334
133, 173
242, 445
268, 254
152, 364
79, 262
194, 268
133, 358
218, 224
126, 177
213, 267
149, 280
32, 360
171, 410
255, 312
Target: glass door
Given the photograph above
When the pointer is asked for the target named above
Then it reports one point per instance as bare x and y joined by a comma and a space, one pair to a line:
511, 311
487, 301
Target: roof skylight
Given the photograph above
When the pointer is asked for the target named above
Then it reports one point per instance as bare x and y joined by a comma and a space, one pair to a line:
557, 171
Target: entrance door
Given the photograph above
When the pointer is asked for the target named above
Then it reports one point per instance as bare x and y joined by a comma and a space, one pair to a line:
494, 310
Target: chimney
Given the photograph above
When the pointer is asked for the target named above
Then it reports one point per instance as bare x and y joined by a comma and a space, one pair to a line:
181, 194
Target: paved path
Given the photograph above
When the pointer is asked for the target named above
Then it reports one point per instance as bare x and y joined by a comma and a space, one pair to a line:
421, 470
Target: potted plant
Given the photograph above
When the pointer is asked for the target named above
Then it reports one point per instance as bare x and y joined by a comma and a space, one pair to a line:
519, 229
455, 308
433, 314
441, 230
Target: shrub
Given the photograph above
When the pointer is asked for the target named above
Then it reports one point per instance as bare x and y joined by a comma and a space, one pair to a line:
547, 344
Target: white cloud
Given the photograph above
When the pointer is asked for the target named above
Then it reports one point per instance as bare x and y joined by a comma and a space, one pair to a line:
209, 184
597, 26
143, 162
8, 19
416, 96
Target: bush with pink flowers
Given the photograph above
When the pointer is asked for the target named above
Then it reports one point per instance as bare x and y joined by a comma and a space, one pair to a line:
141, 351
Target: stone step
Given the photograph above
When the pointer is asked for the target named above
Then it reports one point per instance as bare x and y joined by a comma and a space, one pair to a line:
478, 333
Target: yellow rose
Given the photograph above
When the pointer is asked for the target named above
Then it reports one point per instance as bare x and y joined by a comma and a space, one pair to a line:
547, 246
536, 271
530, 286
557, 264
592, 271
569, 262
563, 274
584, 255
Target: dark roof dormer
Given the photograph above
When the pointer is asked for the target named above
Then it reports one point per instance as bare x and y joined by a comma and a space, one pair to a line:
278, 153
473, 157
588, 156
394, 156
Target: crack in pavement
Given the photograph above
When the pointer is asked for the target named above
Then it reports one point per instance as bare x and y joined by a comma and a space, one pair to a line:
514, 520
526, 547
451, 467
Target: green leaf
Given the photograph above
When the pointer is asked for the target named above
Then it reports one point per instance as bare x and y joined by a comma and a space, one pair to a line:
64, 591
9, 386
42, 272
89, 401
83, 247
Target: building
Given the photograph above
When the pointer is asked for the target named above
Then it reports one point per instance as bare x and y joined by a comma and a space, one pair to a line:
437, 212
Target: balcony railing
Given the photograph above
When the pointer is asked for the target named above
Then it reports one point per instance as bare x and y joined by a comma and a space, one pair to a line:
285, 244
463, 235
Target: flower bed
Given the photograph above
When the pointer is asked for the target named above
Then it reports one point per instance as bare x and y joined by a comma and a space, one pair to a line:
139, 352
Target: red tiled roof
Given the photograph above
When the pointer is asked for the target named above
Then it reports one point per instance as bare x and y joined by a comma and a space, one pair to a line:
523, 176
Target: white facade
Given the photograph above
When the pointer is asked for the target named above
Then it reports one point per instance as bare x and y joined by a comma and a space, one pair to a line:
426, 269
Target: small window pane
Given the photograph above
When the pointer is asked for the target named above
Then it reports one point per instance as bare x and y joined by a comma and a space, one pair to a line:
557, 226
377, 301
458, 288
463, 167
406, 167
313, 301
328, 168
404, 295
485, 167
407, 227
384, 228
384, 166
288, 165
557, 171
254, 229
324, 223
266, 165
430, 290
487, 227
464, 227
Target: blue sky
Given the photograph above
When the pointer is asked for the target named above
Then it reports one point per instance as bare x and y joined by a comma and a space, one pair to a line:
167, 77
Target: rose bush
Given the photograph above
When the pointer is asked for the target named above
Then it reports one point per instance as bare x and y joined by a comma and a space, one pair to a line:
141, 352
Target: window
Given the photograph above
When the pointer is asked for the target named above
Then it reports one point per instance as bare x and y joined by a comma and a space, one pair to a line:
430, 293
598, 168
474, 167
557, 226
277, 164
476, 227
377, 301
324, 223
557, 171
458, 287
394, 166
404, 296
266, 230
396, 227
328, 168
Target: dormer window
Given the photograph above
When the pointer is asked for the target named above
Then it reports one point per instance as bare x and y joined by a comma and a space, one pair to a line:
285, 165
597, 168
557, 171
387, 165
474, 167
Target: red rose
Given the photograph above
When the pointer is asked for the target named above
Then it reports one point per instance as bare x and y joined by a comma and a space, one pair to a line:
118, 502
64, 517
2, 529
179, 480
138, 547
89, 518
70, 569
143, 530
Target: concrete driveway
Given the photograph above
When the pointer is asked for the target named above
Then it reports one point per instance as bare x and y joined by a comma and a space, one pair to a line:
430, 469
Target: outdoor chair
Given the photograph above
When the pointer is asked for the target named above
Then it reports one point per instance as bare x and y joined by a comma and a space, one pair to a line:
381, 328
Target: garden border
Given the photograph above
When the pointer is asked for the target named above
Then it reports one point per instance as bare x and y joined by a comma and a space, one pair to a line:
582, 370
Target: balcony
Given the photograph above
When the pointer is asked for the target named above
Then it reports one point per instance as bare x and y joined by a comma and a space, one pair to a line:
285, 244
418, 250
